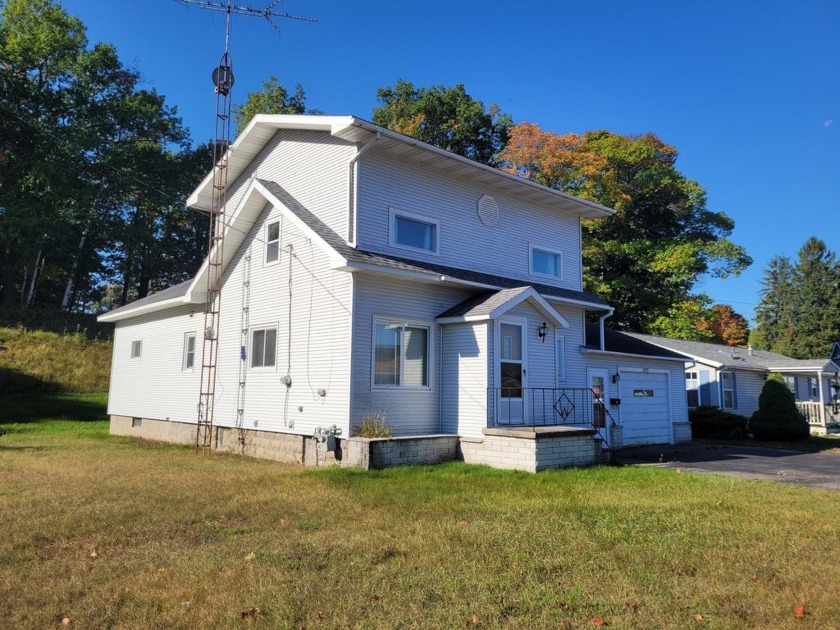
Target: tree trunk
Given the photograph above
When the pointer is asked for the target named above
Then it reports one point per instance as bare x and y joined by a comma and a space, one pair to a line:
29, 297
70, 289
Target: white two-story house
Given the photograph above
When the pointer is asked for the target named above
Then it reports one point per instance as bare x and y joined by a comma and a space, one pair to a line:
370, 275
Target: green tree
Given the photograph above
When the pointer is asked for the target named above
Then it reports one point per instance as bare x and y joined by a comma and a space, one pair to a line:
446, 117
777, 417
799, 312
272, 99
77, 137
646, 259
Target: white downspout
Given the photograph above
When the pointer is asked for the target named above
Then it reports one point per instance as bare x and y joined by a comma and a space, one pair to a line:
601, 327
822, 400
352, 222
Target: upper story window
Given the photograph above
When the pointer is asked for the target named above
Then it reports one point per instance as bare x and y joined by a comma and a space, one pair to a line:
412, 231
188, 362
272, 242
136, 349
401, 354
545, 262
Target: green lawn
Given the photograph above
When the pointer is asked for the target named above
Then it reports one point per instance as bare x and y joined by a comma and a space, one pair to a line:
112, 532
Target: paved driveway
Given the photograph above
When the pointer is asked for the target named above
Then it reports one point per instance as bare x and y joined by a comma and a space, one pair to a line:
818, 470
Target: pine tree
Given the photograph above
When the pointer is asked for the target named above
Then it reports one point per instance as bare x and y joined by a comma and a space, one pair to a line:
773, 315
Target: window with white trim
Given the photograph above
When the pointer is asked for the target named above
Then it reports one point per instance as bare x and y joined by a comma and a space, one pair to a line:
263, 347
815, 388
727, 389
545, 262
400, 354
188, 361
412, 231
136, 349
272, 242
692, 389
561, 358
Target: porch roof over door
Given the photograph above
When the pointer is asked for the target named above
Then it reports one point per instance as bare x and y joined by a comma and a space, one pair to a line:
493, 304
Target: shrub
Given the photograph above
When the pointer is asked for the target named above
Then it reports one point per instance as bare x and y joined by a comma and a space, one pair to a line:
373, 426
777, 417
713, 422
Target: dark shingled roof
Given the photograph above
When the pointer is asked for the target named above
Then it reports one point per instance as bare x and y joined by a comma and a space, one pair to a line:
179, 290
482, 303
615, 341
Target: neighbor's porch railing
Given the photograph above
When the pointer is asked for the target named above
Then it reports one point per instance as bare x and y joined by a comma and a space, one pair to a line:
549, 406
814, 412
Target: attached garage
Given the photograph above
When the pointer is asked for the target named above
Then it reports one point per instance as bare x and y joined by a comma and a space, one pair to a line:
645, 407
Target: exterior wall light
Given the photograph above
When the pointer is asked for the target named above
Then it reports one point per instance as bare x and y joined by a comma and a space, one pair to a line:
542, 331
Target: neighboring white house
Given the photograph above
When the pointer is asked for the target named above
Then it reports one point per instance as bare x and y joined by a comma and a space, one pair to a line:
370, 275
732, 378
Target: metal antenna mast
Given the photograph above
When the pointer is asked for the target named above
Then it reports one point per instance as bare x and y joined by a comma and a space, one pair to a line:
223, 80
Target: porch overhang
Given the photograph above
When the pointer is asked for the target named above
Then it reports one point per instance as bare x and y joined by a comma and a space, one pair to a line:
492, 305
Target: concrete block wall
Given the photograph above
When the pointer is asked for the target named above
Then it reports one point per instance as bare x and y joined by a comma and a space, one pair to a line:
156, 430
561, 452
401, 451
532, 451
682, 432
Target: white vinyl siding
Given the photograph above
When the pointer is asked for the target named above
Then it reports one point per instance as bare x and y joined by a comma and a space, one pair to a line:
464, 242
464, 378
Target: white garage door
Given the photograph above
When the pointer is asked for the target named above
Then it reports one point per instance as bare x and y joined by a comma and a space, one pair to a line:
645, 408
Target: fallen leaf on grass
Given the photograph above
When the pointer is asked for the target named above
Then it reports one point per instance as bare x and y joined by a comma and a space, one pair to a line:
250, 556
376, 598
632, 604
757, 580
320, 616
599, 622
93, 553
799, 611
65, 621
698, 617
476, 621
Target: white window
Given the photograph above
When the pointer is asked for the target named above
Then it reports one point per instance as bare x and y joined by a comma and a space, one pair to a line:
263, 347
561, 358
400, 354
188, 362
136, 349
815, 388
545, 262
726, 386
790, 381
412, 231
272, 242
692, 384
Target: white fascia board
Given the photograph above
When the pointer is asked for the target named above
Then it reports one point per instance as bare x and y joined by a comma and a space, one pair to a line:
573, 302
424, 276
143, 310
462, 319
610, 353
798, 369
725, 367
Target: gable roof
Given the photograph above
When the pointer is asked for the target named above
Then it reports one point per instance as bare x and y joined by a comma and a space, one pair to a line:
491, 305
728, 357
616, 342
263, 127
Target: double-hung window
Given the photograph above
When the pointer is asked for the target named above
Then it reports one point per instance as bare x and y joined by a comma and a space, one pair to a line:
727, 390
272, 242
401, 354
545, 262
263, 347
692, 384
412, 231
188, 362
136, 349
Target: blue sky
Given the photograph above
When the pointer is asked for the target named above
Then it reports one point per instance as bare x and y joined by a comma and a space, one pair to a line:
748, 91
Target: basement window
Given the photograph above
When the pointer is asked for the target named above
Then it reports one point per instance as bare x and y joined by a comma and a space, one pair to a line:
136, 423
136, 349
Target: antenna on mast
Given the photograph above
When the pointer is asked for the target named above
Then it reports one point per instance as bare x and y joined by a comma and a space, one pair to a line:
223, 80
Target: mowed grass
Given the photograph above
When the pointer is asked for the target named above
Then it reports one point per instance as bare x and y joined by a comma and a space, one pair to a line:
113, 532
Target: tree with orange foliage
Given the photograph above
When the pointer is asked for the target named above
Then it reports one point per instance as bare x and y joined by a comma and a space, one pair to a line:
727, 326
646, 259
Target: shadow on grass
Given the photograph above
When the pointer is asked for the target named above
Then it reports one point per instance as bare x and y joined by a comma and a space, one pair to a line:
52, 406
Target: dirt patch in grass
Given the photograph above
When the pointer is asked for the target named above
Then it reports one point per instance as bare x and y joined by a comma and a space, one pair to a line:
119, 533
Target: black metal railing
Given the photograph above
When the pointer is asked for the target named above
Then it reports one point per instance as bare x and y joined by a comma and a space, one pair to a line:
549, 406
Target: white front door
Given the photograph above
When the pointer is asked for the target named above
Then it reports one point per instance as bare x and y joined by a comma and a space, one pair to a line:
600, 402
513, 373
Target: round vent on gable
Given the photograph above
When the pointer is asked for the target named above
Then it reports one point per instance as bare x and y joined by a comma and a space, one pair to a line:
488, 210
